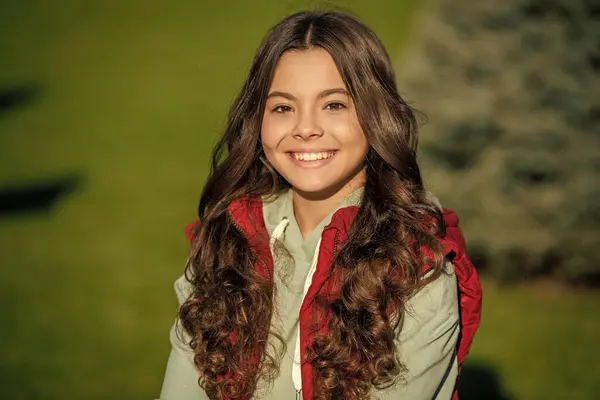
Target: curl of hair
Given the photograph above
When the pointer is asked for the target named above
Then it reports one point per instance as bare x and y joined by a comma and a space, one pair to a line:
379, 264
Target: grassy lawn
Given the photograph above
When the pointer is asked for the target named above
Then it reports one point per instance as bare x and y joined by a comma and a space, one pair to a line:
123, 101
536, 342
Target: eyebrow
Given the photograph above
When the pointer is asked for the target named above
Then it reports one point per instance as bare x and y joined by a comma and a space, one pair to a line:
323, 94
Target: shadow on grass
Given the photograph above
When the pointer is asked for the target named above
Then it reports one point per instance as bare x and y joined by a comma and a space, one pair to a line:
36, 197
29, 197
479, 381
17, 96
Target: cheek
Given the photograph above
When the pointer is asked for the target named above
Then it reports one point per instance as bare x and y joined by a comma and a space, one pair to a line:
359, 145
270, 138
362, 147
271, 133
349, 133
358, 136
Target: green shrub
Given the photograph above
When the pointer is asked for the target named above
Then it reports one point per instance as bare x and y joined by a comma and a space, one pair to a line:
511, 92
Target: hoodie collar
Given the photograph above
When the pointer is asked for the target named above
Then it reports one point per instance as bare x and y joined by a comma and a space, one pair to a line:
247, 213
280, 207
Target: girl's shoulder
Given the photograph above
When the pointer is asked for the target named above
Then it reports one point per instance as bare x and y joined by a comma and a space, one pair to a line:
438, 296
183, 289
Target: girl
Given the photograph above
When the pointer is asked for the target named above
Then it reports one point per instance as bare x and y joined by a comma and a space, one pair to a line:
320, 268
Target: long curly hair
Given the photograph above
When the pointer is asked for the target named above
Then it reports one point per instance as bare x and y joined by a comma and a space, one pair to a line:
228, 315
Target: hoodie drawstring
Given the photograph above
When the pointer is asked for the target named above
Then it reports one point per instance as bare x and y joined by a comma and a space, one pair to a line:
296, 366
278, 233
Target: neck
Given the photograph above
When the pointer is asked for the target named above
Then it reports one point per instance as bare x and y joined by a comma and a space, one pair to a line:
311, 209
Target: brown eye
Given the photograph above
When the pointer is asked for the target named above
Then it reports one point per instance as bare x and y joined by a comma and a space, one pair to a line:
282, 109
335, 106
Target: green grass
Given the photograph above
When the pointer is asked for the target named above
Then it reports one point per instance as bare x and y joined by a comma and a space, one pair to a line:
129, 97
540, 342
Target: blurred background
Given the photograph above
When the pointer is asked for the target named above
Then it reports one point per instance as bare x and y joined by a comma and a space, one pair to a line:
109, 110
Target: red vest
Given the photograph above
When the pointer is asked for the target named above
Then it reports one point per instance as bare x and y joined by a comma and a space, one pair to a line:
247, 214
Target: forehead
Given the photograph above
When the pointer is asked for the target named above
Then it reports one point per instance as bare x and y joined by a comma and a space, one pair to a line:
306, 71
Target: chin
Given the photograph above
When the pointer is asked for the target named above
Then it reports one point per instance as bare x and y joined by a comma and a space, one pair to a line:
316, 190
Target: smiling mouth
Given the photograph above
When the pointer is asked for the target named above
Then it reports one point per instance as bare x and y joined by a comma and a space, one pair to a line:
324, 155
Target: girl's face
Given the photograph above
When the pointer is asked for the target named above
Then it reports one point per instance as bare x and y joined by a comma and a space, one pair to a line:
310, 131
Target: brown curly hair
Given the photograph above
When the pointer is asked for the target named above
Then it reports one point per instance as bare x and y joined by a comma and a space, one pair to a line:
229, 312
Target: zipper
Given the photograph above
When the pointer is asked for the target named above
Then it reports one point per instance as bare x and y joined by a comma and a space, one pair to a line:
299, 394
335, 248
315, 316
235, 224
241, 231
336, 239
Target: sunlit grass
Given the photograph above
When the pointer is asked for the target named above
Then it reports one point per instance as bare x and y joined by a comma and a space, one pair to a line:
541, 340
128, 96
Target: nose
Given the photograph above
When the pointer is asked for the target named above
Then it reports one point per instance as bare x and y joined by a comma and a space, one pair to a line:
308, 127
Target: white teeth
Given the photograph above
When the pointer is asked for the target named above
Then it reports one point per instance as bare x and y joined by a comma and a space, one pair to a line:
312, 156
